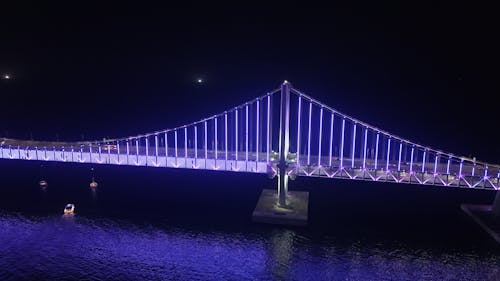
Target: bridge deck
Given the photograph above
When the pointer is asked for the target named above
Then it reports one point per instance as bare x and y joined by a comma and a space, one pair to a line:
411, 173
72, 152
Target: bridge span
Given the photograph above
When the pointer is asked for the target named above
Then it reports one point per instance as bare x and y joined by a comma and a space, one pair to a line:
284, 133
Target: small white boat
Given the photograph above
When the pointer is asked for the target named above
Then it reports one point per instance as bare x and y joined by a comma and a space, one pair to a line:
43, 183
69, 209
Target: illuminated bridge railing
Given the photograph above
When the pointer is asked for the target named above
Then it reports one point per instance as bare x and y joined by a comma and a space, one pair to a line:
334, 145
83, 155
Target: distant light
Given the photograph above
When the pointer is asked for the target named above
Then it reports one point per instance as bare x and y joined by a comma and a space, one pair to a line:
199, 80
6, 76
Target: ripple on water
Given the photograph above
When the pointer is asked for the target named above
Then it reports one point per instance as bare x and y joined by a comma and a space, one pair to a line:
58, 248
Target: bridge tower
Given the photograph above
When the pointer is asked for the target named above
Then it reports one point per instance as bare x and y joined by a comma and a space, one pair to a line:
283, 206
284, 144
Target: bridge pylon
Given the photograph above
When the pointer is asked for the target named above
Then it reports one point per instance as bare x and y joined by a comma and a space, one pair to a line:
283, 207
284, 144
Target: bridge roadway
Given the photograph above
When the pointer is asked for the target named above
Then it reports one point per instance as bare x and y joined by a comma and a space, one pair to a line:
86, 152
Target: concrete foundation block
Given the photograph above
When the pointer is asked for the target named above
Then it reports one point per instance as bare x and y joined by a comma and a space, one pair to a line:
295, 213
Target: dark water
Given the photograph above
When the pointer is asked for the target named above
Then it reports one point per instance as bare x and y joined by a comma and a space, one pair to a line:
159, 224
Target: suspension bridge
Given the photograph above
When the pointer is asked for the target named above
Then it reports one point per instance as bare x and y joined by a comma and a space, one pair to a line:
284, 133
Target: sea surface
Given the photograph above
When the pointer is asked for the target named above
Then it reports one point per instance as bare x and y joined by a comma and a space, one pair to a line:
168, 224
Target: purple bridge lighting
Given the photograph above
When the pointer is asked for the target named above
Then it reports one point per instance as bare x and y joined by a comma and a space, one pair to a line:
284, 133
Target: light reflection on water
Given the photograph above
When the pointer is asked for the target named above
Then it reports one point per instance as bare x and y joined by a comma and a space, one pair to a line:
76, 248
154, 224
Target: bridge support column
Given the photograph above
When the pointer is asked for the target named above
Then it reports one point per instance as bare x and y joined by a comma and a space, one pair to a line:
284, 143
283, 207
282, 189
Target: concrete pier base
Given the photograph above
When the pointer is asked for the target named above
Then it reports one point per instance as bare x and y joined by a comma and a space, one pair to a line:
295, 212
486, 216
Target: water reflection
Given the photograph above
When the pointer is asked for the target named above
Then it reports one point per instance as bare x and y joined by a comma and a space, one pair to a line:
281, 244
94, 193
67, 219
75, 248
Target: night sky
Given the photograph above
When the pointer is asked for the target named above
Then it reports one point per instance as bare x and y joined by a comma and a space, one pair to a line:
428, 73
